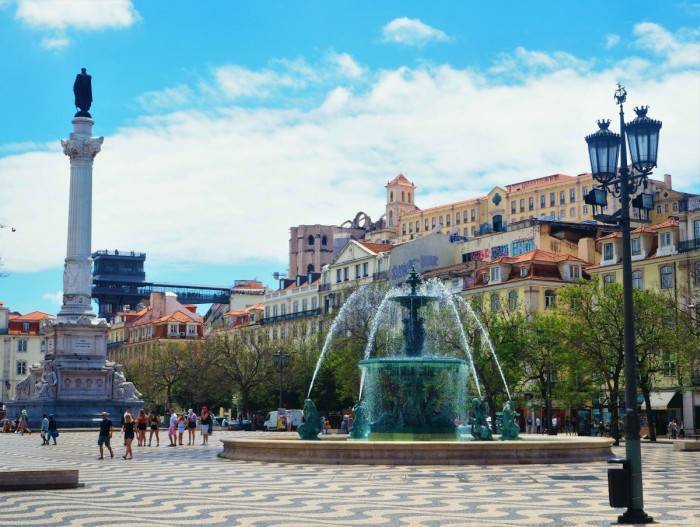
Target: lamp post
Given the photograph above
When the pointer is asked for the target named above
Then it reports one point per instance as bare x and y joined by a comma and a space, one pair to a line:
604, 146
281, 361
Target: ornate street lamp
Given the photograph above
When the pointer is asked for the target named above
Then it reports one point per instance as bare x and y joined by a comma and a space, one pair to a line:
603, 149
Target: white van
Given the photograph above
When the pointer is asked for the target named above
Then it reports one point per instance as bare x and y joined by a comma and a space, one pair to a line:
272, 420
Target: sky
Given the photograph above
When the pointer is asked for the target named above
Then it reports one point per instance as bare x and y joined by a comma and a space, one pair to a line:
227, 123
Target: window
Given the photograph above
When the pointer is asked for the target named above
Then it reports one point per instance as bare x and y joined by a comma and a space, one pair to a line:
427, 226
448, 219
21, 367
562, 213
495, 302
324, 240
441, 220
522, 246
346, 273
464, 216
572, 212
473, 230
391, 196
466, 231
636, 244
608, 279
675, 206
42, 348
410, 228
512, 300
473, 214
358, 271
584, 191
696, 229
575, 272
433, 222
638, 280
665, 238
379, 265
562, 197
572, 195
275, 311
658, 209
22, 345
314, 303
551, 199
338, 276
495, 274
549, 299
295, 306
666, 277
25, 327
531, 204
311, 239
697, 273
409, 197
403, 229
365, 269
585, 209
191, 329
403, 196
522, 205
417, 226
457, 218
523, 272
608, 251
512, 207
304, 304
543, 201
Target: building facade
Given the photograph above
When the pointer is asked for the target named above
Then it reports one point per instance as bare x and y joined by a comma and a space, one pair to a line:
294, 305
22, 345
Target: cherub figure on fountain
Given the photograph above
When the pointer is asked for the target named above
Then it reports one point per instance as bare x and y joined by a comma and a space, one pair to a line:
313, 422
480, 426
360, 425
509, 429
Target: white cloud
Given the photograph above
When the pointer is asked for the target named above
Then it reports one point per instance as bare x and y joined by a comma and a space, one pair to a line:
55, 298
166, 98
223, 185
346, 65
79, 14
523, 62
412, 32
55, 42
611, 40
237, 81
678, 51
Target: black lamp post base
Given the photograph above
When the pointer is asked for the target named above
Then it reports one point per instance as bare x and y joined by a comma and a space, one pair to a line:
634, 516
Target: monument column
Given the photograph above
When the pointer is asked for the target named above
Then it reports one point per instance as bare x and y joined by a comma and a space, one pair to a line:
82, 148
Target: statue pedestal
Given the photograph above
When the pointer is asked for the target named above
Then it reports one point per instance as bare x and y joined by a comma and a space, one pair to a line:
75, 382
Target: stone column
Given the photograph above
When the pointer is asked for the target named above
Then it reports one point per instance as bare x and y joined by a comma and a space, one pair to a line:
82, 148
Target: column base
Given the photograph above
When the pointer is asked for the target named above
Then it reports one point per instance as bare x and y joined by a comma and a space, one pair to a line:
634, 516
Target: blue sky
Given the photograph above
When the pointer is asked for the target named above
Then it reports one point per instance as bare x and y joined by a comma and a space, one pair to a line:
225, 125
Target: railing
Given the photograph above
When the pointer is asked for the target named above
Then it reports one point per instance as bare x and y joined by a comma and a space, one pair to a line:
381, 275
689, 204
689, 245
324, 287
119, 253
291, 316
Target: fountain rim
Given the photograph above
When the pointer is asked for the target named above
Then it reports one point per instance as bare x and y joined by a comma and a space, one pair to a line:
405, 359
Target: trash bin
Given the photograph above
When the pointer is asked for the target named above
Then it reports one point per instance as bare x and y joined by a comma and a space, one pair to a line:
619, 483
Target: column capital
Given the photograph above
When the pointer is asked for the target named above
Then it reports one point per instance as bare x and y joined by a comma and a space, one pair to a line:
81, 146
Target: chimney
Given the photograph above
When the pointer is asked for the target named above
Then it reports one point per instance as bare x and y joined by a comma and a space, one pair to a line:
667, 181
157, 302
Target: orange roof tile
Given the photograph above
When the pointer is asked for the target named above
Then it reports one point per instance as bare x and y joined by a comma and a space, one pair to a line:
34, 316
400, 180
670, 222
376, 247
177, 316
538, 255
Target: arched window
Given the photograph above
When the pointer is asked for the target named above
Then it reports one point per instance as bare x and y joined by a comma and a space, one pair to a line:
311, 239
324, 240
309, 268
391, 196
550, 299
403, 197
512, 300
495, 302
409, 197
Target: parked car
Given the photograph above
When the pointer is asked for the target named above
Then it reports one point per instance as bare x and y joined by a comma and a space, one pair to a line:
276, 419
236, 425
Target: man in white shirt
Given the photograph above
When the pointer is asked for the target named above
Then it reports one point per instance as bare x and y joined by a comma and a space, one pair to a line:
172, 429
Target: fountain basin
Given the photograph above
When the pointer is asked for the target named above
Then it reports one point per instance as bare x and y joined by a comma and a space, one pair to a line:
349, 452
414, 398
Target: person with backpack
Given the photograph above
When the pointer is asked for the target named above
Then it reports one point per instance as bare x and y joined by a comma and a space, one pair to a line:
191, 426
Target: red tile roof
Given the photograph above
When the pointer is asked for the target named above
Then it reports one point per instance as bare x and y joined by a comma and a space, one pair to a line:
538, 255
670, 222
34, 316
376, 247
400, 180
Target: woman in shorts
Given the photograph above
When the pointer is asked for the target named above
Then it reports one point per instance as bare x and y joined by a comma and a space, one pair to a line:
191, 427
205, 422
154, 421
128, 431
141, 425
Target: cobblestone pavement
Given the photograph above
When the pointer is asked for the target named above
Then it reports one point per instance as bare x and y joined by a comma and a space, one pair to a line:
192, 486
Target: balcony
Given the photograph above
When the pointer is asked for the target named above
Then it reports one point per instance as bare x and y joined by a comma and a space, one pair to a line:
324, 287
689, 245
381, 275
291, 316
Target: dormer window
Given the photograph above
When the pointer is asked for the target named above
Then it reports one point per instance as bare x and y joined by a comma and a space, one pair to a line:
523, 272
495, 274
665, 239
607, 251
636, 246
575, 272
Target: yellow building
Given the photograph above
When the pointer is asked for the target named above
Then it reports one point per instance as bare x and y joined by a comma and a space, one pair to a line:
558, 196
528, 281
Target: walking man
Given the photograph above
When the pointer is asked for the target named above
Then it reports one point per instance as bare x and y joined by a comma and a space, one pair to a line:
45, 430
538, 425
106, 429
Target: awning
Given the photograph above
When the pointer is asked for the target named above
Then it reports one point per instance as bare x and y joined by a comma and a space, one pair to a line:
659, 400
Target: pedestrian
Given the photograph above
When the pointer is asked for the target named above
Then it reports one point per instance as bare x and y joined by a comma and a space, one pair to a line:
128, 431
141, 425
154, 420
538, 425
674, 429
181, 426
191, 427
44, 431
172, 429
344, 425
53, 428
106, 429
555, 424
24, 423
205, 421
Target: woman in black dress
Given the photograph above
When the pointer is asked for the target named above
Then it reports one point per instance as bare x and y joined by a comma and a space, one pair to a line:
155, 423
128, 431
